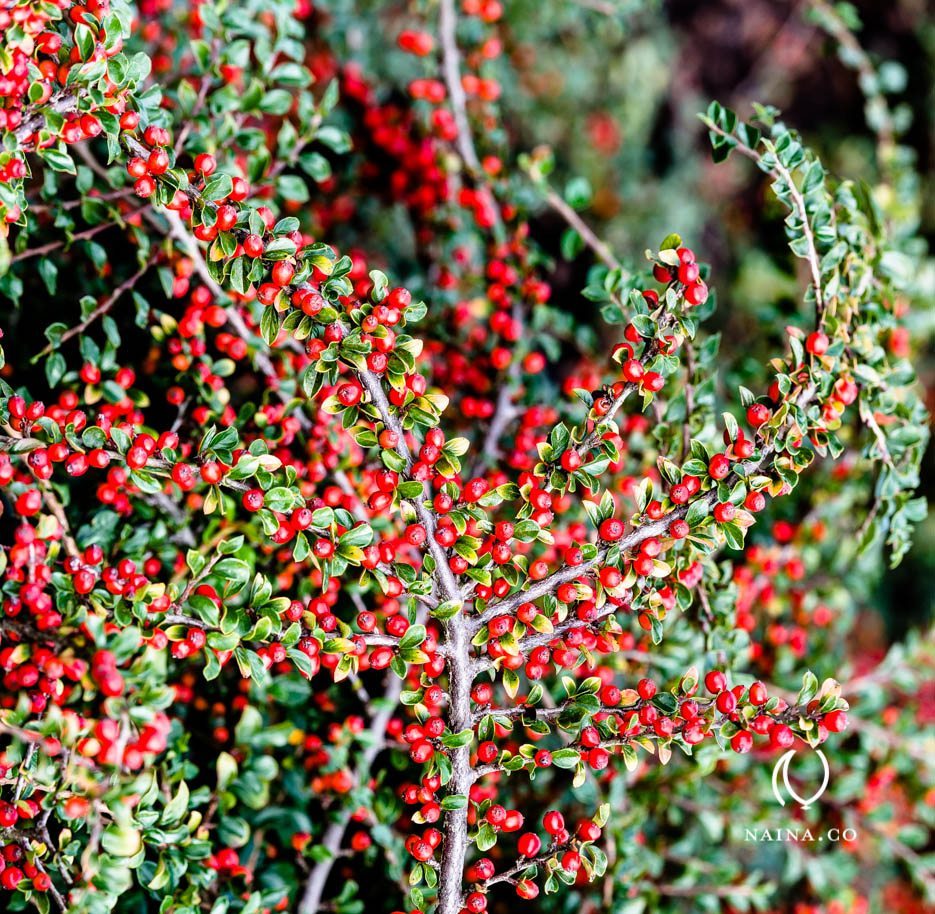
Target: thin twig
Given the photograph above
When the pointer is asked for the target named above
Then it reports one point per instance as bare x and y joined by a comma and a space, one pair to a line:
102, 308
603, 252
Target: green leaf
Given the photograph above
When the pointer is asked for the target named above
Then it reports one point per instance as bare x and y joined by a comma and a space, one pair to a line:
413, 637
218, 187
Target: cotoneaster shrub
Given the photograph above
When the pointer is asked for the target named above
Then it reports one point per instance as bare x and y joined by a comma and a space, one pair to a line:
311, 574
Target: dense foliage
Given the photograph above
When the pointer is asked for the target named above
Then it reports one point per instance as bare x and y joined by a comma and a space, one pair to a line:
351, 560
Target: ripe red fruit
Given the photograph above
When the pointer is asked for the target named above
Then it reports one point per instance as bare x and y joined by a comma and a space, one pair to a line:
741, 742
570, 461
588, 831
418, 43
11, 877
381, 658
144, 187
633, 370
420, 850
646, 689
553, 822
183, 475
212, 473
836, 721
241, 190
253, 499
475, 903
155, 135
205, 164
643, 565
688, 273
781, 736
758, 693
724, 512
611, 530
679, 529
652, 381
496, 815
719, 466
421, 751
529, 845
482, 693
282, 273
715, 681
350, 394
696, 294
598, 758
726, 702
817, 343
755, 502
487, 752
158, 162
686, 255
758, 414
679, 494
253, 246
137, 457
225, 218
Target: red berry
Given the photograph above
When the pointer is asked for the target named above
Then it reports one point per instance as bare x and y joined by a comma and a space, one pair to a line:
719, 466
817, 343
11, 877
696, 293
253, 499
781, 736
836, 721
758, 694
715, 681
633, 370
529, 845
206, 164
755, 502
253, 246
144, 187
350, 394
570, 461
475, 903
758, 414
678, 529
724, 512
553, 822
646, 689
688, 273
